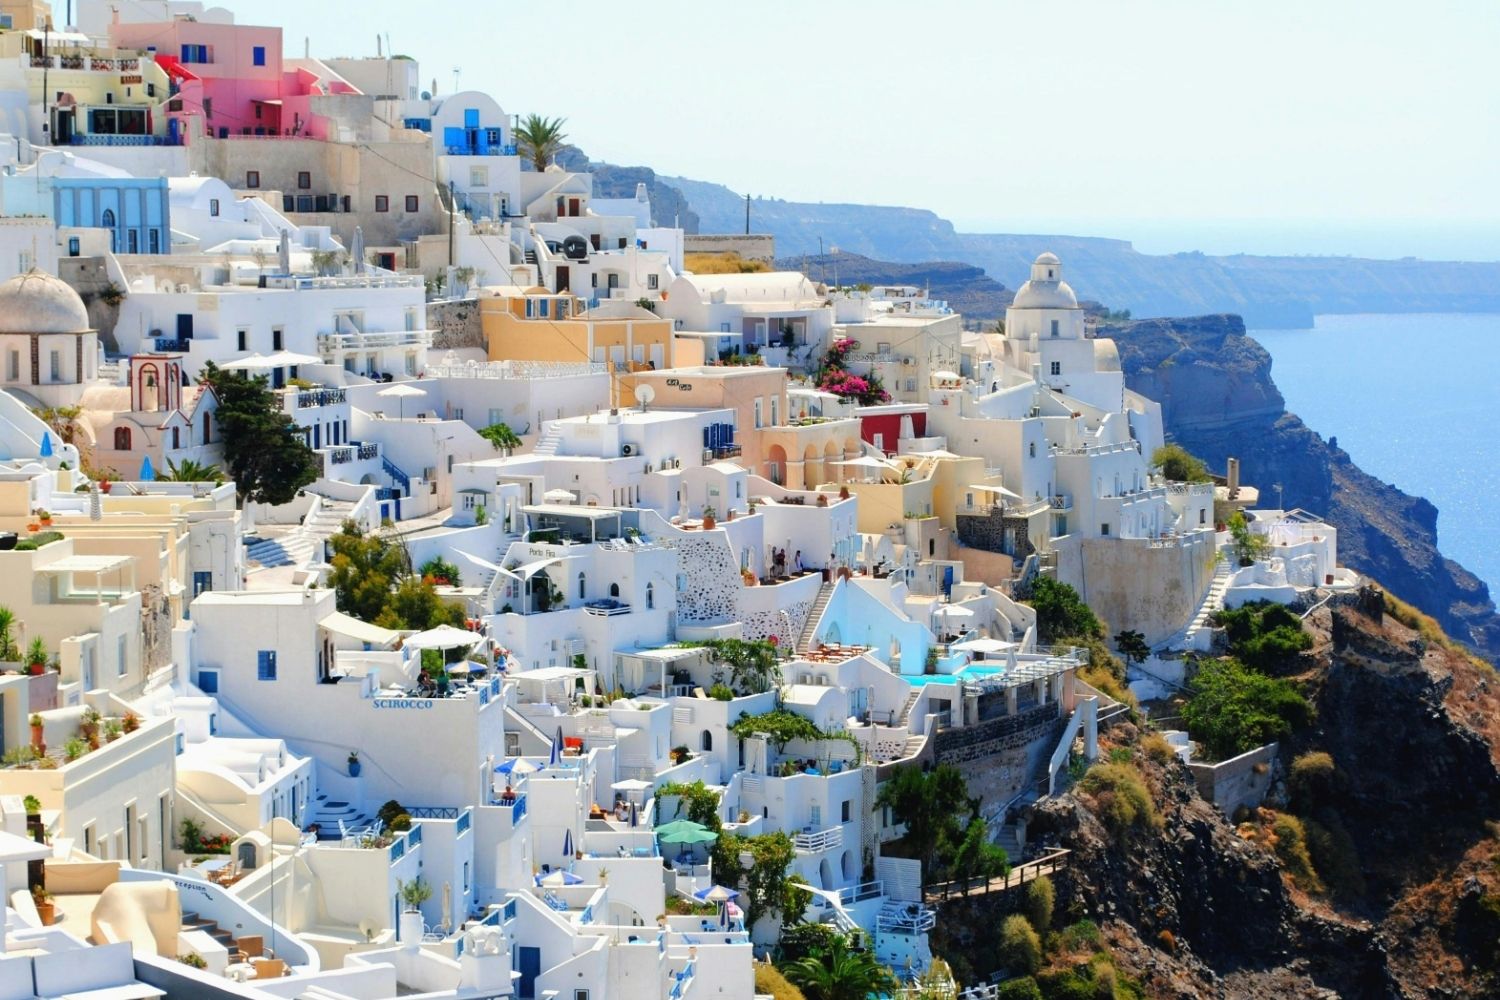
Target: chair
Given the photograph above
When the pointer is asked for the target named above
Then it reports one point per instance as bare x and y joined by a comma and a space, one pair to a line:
251, 946
268, 968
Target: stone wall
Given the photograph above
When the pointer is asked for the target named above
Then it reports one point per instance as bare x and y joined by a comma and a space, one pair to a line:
784, 623
713, 578
751, 246
997, 758
455, 324
1108, 572
995, 533
1240, 781
91, 281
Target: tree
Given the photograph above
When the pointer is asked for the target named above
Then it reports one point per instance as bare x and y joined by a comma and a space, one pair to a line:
365, 569
1060, 611
62, 419
267, 458
189, 471
767, 888
1180, 465
753, 664
415, 604
1248, 546
839, 972
1132, 646
540, 139
1233, 709
974, 856
501, 436
1264, 636
928, 804
1020, 945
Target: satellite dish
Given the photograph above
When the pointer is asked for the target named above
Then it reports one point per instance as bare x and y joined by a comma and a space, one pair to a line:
644, 394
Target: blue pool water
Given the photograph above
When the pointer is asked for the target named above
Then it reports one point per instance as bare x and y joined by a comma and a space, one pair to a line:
973, 672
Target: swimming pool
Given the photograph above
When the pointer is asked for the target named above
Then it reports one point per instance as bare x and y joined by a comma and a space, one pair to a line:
973, 672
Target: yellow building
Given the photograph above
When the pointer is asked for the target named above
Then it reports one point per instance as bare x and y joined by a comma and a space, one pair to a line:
25, 14
537, 325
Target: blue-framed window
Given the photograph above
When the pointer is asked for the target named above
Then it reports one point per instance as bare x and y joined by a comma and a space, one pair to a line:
195, 54
258, 55
265, 665
208, 681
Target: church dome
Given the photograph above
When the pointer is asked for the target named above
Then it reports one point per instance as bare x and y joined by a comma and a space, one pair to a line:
36, 302
1046, 289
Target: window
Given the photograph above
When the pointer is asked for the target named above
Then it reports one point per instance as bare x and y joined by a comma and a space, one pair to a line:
653, 281
846, 811
213, 207
1054, 328
252, 178
650, 597
132, 241
265, 665
276, 338
122, 439
466, 877
1033, 449
176, 438
241, 339
1057, 367
207, 431
580, 995
55, 365
13, 366
1202, 516
88, 839
120, 656
411, 203
757, 413
197, 54
382, 203
153, 239
582, 581
304, 180
1104, 530
258, 55
479, 177
74, 249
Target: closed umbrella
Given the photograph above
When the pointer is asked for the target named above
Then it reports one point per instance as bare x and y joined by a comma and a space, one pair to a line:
96, 503
284, 252
447, 923
557, 745
148, 473
635, 814
568, 842
46, 451
357, 250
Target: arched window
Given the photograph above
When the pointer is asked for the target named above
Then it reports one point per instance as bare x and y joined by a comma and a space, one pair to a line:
206, 435
176, 438
122, 439
650, 597
581, 583
614, 590
706, 741
107, 220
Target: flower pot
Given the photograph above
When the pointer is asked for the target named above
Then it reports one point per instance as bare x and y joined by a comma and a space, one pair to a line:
47, 912
104, 486
36, 669
34, 526
354, 768
709, 523
843, 493
822, 500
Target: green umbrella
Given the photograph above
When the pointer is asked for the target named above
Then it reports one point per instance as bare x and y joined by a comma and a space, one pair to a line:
685, 831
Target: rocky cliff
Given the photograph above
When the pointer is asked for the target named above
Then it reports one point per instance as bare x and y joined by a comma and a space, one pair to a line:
1198, 908
1219, 400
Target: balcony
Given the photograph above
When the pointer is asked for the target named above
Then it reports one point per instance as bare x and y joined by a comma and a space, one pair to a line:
1061, 503
336, 342
104, 139
338, 456
811, 841
172, 345
606, 608
321, 397
368, 451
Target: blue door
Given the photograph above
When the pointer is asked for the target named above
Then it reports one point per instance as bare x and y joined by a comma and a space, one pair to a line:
529, 965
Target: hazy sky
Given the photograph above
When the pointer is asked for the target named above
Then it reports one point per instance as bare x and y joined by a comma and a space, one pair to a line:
1274, 125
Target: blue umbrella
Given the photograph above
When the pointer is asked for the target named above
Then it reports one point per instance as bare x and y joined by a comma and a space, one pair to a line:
568, 842
148, 474
46, 444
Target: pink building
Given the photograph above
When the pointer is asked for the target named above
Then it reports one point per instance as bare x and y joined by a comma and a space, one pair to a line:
232, 77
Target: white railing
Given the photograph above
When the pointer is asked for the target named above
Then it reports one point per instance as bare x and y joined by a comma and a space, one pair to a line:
516, 369
374, 341
812, 841
1086, 713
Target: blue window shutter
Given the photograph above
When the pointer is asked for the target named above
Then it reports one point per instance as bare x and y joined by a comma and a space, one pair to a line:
471, 117
266, 665
453, 137
260, 55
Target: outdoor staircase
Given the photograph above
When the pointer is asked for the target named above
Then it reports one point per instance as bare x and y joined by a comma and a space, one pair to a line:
1008, 838
914, 745
547, 443
810, 629
398, 478
289, 550
1213, 602
193, 922
911, 703
531, 257
328, 813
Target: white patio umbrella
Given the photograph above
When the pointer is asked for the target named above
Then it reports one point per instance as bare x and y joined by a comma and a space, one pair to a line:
443, 637
950, 611
401, 391
447, 923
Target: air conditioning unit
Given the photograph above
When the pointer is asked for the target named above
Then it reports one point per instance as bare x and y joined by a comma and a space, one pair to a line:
908, 361
627, 450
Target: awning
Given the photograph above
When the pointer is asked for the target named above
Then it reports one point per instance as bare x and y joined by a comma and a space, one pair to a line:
85, 564
991, 488
530, 569
362, 631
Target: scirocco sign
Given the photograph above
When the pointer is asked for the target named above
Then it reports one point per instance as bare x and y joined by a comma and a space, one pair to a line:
403, 702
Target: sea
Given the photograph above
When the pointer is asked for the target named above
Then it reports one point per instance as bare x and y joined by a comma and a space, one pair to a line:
1413, 400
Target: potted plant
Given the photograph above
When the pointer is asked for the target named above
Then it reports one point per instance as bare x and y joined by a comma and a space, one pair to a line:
104, 485
354, 765
36, 733
822, 499
33, 808
36, 657
74, 748
44, 906
44, 516
709, 518
113, 730
89, 727
33, 526
131, 723
679, 754
843, 493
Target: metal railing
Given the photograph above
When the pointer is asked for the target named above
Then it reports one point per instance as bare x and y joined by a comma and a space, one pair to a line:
812, 841
320, 397
368, 450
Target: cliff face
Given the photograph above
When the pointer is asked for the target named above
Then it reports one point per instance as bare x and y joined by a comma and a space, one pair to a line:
1218, 400
1414, 734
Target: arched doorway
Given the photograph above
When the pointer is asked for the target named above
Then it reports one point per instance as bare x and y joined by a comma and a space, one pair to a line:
776, 465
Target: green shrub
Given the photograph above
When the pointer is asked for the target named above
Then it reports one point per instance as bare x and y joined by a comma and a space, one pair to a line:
770, 982
1121, 799
1040, 899
721, 692
1264, 636
1066, 984
1024, 988
1081, 936
1156, 747
1180, 465
1233, 709
1335, 857
1311, 778
1291, 848
1060, 611
1020, 946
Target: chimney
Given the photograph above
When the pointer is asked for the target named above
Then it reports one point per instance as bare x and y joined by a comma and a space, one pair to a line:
1233, 475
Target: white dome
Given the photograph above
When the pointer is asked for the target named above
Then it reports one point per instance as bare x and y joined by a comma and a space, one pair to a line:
1048, 257
1036, 294
36, 302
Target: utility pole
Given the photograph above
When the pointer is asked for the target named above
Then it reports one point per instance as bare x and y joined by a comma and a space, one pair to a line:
46, 61
747, 215
452, 203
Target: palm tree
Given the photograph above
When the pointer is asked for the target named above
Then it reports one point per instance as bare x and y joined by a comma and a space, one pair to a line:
8, 650
540, 138
501, 436
838, 972
192, 472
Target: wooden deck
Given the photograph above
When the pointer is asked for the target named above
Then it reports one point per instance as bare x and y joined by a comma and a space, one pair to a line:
1017, 877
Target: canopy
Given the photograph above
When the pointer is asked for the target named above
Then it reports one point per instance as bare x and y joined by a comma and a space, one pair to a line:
530, 569
954, 611
685, 831
265, 362
458, 668
401, 389
991, 488
867, 462
947, 376
443, 637
716, 894
984, 645
631, 785
516, 765
553, 496
936, 453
